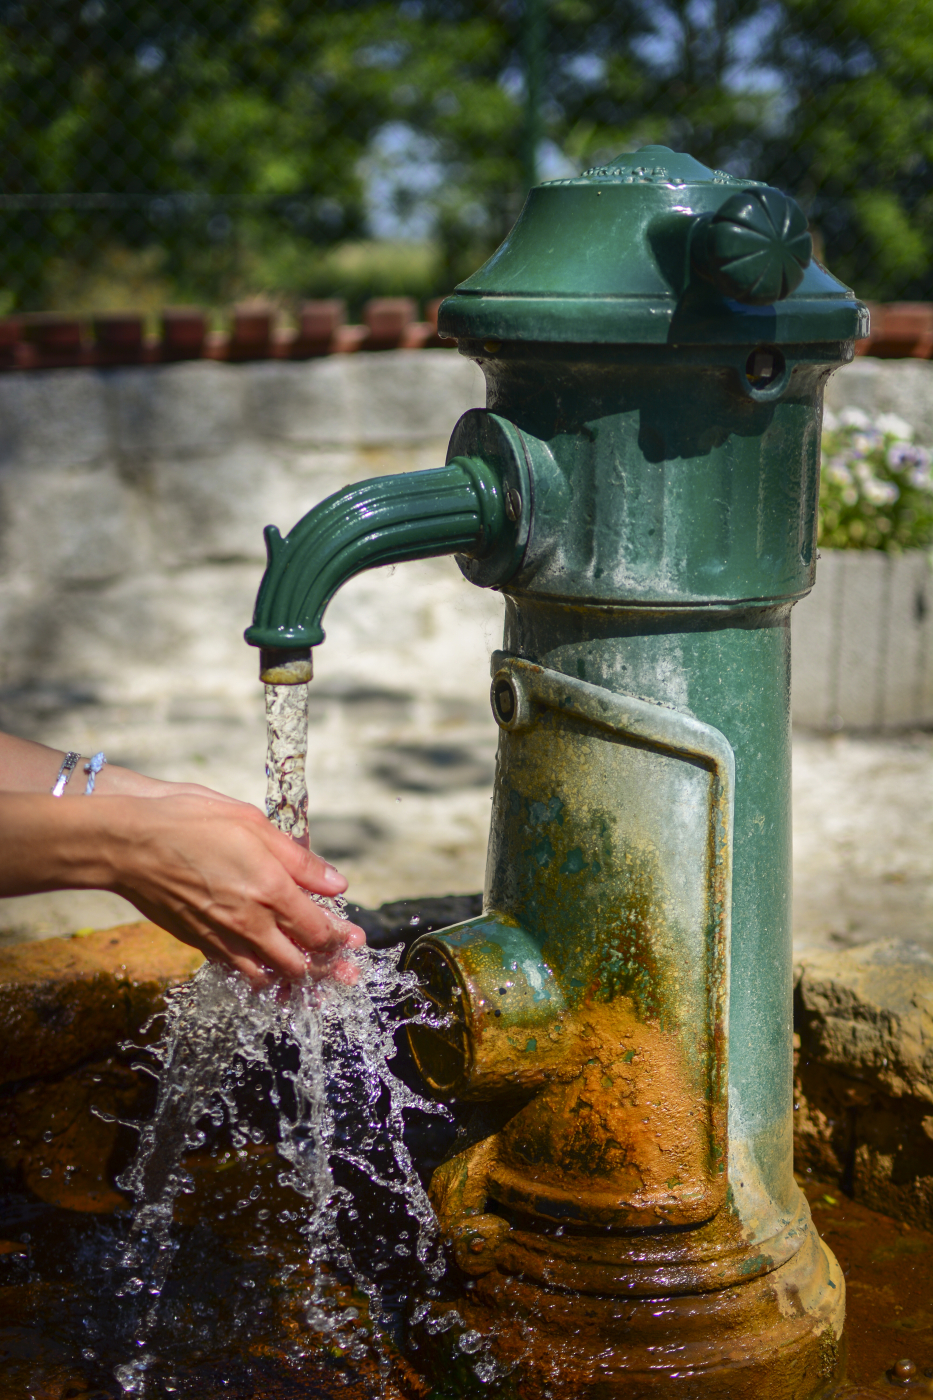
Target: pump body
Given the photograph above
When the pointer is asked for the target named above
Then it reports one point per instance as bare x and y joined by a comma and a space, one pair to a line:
620, 1014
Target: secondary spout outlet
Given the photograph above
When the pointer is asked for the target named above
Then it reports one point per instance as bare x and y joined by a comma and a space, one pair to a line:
471, 507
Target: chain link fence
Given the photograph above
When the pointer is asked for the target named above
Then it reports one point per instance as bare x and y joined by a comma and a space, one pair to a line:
182, 150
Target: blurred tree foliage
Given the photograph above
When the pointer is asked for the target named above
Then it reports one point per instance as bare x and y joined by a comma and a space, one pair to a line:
232, 135
831, 100
239, 141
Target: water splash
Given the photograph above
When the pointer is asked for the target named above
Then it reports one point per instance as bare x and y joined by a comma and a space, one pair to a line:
338, 1106
329, 1104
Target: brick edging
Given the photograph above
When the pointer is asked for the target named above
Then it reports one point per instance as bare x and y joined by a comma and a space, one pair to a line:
49, 340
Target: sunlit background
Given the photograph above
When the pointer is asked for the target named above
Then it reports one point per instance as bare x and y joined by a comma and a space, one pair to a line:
165, 151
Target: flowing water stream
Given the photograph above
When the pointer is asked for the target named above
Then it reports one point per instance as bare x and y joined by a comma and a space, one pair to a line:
302, 1069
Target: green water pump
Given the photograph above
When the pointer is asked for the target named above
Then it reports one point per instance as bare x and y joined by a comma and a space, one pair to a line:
642, 487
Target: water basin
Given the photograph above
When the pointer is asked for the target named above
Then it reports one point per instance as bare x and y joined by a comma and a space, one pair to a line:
234, 1328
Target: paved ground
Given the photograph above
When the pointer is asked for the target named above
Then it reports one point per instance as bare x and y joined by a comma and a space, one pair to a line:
863, 839
402, 751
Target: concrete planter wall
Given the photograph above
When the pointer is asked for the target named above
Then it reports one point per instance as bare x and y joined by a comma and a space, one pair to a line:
862, 643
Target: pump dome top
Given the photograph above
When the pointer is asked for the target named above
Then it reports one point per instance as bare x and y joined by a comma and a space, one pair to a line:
655, 249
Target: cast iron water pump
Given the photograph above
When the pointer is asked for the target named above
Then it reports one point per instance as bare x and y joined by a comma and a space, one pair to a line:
643, 488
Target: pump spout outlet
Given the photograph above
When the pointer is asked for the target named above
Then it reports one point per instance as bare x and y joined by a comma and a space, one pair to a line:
456, 509
278, 666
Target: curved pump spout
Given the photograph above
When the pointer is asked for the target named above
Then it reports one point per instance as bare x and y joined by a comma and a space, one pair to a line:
460, 508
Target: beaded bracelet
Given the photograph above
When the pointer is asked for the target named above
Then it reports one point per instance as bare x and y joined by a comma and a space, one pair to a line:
92, 768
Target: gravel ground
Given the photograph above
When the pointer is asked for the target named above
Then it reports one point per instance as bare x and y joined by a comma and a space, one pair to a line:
401, 763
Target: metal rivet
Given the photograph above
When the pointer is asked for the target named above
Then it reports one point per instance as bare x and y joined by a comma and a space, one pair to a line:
513, 503
492, 346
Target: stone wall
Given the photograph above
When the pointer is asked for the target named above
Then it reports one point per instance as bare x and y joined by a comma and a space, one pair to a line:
132, 503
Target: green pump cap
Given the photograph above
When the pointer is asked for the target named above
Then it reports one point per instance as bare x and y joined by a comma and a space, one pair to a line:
655, 249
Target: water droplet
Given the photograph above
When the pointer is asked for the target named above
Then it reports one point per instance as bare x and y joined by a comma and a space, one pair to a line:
486, 1370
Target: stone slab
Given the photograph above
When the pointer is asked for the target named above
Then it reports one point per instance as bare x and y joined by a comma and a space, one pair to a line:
864, 1074
53, 419
400, 396
869, 1011
66, 1000
185, 410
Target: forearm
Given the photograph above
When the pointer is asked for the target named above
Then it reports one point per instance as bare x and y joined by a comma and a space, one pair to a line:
52, 845
26, 766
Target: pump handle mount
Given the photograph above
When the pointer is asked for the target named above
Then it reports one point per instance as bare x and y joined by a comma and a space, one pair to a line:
755, 248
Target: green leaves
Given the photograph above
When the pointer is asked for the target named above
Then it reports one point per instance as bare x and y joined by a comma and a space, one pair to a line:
233, 136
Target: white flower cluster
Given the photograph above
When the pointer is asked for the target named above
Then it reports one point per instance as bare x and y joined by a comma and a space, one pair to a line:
858, 439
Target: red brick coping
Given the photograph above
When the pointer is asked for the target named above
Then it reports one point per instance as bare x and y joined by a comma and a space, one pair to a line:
48, 340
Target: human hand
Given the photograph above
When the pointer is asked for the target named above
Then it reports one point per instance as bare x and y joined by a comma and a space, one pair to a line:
218, 875
212, 871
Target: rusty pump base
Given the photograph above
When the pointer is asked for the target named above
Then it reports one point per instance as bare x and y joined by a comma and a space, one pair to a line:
776, 1337
624, 1238
643, 488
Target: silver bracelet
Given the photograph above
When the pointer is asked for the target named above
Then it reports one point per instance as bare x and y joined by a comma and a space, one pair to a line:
92, 768
64, 773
